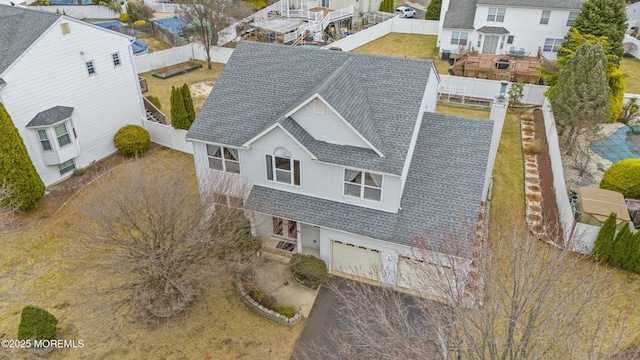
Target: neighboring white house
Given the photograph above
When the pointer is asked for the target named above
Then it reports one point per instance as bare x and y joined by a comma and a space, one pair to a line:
504, 26
633, 13
346, 159
68, 87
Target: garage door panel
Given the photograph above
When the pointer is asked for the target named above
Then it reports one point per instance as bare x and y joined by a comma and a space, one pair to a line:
355, 260
423, 276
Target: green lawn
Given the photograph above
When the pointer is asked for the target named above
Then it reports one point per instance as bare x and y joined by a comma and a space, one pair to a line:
631, 67
406, 45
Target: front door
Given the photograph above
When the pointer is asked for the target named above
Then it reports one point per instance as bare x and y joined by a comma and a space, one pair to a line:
490, 44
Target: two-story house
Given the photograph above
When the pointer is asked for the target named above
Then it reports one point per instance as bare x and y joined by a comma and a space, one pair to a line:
345, 159
506, 26
68, 87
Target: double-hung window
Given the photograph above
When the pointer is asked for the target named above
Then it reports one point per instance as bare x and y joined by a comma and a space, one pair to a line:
62, 133
459, 38
283, 169
572, 18
223, 158
363, 184
552, 44
44, 139
546, 14
496, 14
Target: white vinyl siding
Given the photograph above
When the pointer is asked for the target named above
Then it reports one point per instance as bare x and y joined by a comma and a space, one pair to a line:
35, 88
326, 125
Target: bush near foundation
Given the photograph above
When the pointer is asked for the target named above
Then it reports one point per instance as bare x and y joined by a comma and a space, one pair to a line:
132, 140
308, 269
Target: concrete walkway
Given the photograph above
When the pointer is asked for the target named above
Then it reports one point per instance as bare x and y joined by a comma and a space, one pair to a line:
275, 278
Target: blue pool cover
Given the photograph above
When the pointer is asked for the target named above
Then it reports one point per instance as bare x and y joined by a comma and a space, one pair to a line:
173, 24
110, 23
618, 146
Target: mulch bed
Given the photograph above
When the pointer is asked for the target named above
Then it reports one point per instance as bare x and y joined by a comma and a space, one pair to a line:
549, 206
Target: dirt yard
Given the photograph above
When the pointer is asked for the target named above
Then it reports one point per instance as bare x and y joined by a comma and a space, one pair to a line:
45, 266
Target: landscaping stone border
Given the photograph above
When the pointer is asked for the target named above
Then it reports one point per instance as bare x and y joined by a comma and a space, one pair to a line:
261, 310
532, 190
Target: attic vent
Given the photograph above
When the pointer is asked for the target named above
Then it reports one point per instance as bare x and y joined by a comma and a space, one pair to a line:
65, 28
318, 106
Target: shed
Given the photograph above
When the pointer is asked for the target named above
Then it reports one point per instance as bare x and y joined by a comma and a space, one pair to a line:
597, 204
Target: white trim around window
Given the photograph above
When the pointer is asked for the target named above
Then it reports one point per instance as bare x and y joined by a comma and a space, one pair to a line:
552, 45
284, 229
67, 166
283, 168
115, 57
496, 14
363, 184
459, 38
572, 18
544, 19
91, 67
222, 158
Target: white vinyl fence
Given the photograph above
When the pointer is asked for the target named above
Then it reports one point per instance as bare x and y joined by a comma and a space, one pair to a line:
180, 54
485, 88
80, 11
410, 26
581, 237
166, 135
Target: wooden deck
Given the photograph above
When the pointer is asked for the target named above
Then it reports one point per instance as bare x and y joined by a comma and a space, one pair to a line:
498, 67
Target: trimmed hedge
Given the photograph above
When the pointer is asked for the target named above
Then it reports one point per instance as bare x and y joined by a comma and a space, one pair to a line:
155, 101
37, 324
308, 269
623, 177
132, 140
16, 169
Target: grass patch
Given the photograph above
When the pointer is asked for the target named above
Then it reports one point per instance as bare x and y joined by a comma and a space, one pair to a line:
162, 87
459, 111
47, 274
631, 67
406, 45
154, 43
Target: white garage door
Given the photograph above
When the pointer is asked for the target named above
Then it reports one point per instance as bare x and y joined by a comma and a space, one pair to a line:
423, 276
355, 260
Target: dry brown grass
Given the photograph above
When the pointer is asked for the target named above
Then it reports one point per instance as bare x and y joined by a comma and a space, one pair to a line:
406, 45
154, 43
42, 267
162, 87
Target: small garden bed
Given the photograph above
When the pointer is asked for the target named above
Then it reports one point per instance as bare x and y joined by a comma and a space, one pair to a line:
308, 270
177, 69
265, 304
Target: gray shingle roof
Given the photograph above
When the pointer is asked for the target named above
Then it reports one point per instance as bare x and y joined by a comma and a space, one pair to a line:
547, 4
499, 30
19, 28
262, 82
460, 14
443, 191
51, 116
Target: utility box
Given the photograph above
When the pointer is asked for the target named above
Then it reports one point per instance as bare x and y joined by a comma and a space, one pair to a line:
446, 55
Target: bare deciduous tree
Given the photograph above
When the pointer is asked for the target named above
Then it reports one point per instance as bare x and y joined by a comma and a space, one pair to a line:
518, 299
156, 237
205, 19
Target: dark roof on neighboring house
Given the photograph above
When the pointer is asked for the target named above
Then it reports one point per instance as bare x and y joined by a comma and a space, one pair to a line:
51, 116
443, 191
460, 14
261, 83
19, 28
547, 4
498, 30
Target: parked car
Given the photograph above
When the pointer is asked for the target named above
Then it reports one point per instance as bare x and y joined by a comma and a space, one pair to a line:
405, 12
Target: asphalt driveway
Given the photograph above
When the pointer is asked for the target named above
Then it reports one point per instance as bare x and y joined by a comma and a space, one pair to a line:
327, 320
